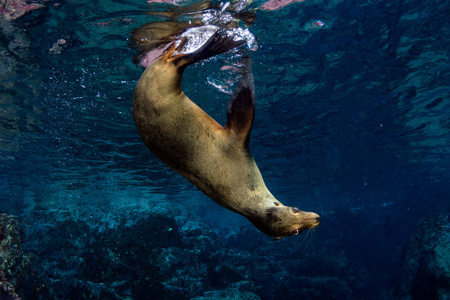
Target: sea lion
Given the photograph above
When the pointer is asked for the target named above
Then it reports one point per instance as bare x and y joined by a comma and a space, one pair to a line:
214, 158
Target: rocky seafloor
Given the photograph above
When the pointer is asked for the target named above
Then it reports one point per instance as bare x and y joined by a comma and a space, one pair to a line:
155, 255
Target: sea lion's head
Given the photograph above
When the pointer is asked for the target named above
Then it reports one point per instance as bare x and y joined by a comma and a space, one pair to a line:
280, 221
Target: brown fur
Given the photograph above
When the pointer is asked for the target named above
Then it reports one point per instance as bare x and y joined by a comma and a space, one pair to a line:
214, 158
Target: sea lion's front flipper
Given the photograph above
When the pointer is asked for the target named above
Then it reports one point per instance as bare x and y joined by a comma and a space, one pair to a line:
241, 108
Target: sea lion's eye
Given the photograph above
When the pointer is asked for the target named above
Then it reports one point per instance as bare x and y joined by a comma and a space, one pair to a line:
294, 232
295, 210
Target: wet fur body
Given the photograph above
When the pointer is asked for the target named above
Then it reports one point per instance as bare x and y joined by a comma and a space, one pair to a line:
214, 158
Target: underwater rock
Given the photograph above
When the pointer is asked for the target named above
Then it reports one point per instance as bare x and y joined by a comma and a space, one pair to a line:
426, 267
236, 291
152, 255
277, 4
58, 46
14, 9
174, 2
76, 258
198, 235
317, 25
192, 228
316, 288
13, 263
228, 267
186, 270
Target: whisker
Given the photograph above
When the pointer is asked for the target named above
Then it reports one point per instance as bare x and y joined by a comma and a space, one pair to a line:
303, 241
311, 235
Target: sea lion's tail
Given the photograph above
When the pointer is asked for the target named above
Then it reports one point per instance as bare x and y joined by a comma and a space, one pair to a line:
218, 43
191, 33
154, 36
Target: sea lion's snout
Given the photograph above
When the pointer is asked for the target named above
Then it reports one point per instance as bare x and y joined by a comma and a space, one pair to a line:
315, 221
314, 218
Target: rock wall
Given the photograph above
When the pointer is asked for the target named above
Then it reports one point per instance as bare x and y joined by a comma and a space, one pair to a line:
425, 270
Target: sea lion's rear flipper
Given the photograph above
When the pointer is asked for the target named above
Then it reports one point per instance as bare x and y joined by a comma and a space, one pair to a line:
156, 35
219, 42
241, 108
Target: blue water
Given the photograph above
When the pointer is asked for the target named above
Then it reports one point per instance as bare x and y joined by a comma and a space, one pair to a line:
352, 122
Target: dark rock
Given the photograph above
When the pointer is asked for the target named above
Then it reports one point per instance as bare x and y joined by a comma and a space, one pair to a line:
198, 235
236, 291
229, 266
13, 263
315, 288
426, 268
11, 10
185, 270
